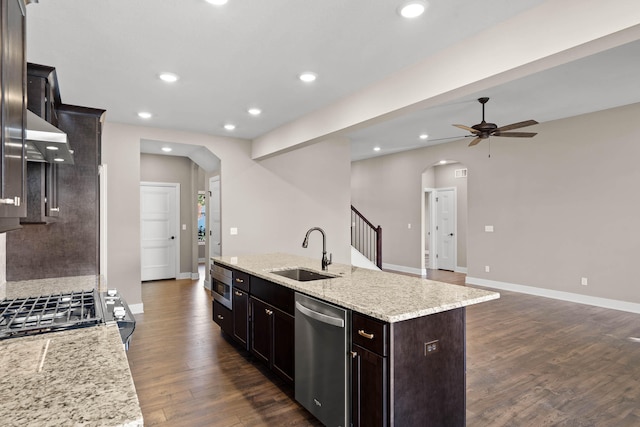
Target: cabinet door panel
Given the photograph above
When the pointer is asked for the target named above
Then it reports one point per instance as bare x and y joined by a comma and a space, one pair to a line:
260, 330
368, 388
241, 317
12, 111
283, 344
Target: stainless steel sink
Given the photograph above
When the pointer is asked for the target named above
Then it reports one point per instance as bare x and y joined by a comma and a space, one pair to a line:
302, 274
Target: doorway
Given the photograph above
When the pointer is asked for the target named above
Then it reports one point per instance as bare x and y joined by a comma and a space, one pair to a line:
444, 217
215, 234
159, 230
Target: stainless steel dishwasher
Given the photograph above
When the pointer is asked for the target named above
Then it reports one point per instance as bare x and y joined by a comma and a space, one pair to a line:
321, 359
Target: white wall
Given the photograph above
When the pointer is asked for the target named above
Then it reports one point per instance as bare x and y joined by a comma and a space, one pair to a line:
271, 202
563, 204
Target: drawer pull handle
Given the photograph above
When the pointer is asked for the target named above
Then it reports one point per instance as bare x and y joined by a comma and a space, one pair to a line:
269, 312
239, 280
354, 354
364, 334
238, 293
220, 317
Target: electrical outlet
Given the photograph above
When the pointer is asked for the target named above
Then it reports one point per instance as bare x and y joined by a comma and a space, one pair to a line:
584, 281
409, 226
431, 347
233, 231
487, 269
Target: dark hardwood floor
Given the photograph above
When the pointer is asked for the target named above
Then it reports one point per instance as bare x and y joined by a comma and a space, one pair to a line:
531, 361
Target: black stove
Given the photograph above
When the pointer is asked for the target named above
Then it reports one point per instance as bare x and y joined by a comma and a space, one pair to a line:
49, 313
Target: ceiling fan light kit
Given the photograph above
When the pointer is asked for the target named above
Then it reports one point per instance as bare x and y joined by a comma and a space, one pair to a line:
484, 130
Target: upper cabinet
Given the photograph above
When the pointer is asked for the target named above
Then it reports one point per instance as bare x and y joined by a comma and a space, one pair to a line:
12, 114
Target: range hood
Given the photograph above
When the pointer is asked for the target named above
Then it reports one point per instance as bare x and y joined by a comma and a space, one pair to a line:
45, 142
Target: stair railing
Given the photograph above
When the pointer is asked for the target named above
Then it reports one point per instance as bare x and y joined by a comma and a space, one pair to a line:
366, 237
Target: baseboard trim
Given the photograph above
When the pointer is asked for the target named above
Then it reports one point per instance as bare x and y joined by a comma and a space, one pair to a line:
559, 295
188, 275
402, 269
136, 308
206, 284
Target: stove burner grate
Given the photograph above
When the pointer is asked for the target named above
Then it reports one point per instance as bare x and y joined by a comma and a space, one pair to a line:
26, 316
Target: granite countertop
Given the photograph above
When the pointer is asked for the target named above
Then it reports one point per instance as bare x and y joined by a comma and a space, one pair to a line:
386, 296
79, 377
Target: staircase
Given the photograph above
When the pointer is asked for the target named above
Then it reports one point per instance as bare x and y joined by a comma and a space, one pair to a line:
366, 237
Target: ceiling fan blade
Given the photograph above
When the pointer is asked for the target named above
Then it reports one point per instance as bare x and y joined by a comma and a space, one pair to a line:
517, 125
516, 134
475, 142
467, 128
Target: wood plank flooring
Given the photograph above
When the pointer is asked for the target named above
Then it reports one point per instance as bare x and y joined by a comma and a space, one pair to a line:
531, 361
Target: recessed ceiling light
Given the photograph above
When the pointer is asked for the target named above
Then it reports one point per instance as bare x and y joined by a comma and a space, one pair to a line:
229, 126
167, 149
217, 2
254, 111
308, 76
168, 77
443, 162
58, 159
52, 147
376, 148
423, 136
144, 115
412, 9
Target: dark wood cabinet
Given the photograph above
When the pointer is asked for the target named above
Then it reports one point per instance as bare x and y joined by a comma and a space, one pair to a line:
12, 114
369, 371
223, 317
369, 399
241, 317
272, 337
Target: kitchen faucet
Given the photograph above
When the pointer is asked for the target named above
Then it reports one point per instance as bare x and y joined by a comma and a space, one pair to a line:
305, 243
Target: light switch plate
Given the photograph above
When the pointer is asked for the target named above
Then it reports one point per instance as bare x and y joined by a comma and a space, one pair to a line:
488, 228
233, 231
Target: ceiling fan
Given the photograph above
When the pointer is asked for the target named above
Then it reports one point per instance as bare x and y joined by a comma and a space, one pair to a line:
484, 130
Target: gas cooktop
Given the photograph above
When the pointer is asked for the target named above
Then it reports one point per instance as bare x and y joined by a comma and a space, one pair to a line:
49, 313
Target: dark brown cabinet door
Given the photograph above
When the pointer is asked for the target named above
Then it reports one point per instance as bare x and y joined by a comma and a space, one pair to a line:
283, 348
261, 330
12, 110
223, 317
241, 317
368, 388
272, 338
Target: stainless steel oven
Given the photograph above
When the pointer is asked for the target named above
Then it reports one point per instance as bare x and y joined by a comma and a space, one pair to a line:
222, 285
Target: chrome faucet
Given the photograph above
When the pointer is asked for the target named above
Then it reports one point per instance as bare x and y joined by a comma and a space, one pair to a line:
305, 243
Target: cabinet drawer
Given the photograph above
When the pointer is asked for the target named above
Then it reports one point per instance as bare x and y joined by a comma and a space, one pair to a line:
369, 333
241, 280
223, 317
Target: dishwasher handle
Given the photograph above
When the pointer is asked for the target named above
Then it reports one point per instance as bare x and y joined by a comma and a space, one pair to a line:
330, 320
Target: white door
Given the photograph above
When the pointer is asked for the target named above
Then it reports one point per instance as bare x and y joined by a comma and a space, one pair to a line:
159, 230
445, 229
215, 244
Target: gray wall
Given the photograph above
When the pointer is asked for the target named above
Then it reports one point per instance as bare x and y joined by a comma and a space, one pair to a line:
271, 202
181, 170
563, 204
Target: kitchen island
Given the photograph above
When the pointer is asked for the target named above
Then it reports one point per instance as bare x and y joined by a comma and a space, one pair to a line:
73, 377
406, 334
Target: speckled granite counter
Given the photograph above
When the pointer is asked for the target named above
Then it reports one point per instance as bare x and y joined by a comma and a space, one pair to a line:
385, 296
79, 377
29, 288
76, 378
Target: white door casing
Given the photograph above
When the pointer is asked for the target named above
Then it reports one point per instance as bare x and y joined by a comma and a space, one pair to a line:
446, 229
159, 230
215, 232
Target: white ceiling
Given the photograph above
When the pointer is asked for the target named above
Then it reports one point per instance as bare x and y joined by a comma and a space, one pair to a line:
108, 55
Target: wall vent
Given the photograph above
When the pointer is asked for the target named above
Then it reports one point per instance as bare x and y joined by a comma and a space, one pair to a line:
461, 173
